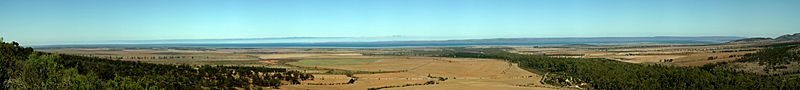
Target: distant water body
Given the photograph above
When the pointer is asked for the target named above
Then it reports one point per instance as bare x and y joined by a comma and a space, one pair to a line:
349, 42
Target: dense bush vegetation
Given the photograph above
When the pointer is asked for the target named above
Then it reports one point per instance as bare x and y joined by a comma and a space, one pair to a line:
11, 53
23, 68
615, 75
774, 55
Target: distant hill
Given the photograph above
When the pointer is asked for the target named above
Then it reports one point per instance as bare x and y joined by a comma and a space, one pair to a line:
422, 42
589, 40
752, 39
795, 36
578, 45
786, 37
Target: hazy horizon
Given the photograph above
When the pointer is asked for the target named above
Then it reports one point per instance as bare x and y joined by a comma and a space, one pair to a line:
395, 41
312, 39
320, 40
58, 21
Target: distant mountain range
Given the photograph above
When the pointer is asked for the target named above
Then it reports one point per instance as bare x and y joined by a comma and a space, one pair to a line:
787, 37
262, 40
795, 36
393, 42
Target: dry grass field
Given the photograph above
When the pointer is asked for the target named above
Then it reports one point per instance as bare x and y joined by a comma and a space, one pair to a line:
678, 55
460, 73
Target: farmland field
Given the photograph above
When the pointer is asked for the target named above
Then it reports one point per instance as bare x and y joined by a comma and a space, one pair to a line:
460, 73
332, 62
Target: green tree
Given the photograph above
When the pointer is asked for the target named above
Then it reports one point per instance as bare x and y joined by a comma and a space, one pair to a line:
127, 83
38, 72
10, 53
71, 79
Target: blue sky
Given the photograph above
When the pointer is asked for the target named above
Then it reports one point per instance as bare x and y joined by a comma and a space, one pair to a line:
49, 21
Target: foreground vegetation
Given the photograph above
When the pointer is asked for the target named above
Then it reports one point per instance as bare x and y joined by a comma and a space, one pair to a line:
23, 68
596, 73
775, 56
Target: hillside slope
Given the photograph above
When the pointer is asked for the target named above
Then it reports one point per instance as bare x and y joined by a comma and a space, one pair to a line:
795, 36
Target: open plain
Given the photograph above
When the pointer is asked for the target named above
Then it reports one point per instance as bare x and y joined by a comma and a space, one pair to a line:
371, 68
334, 68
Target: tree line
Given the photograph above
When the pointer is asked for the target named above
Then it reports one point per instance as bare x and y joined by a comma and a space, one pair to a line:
774, 56
147, 57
